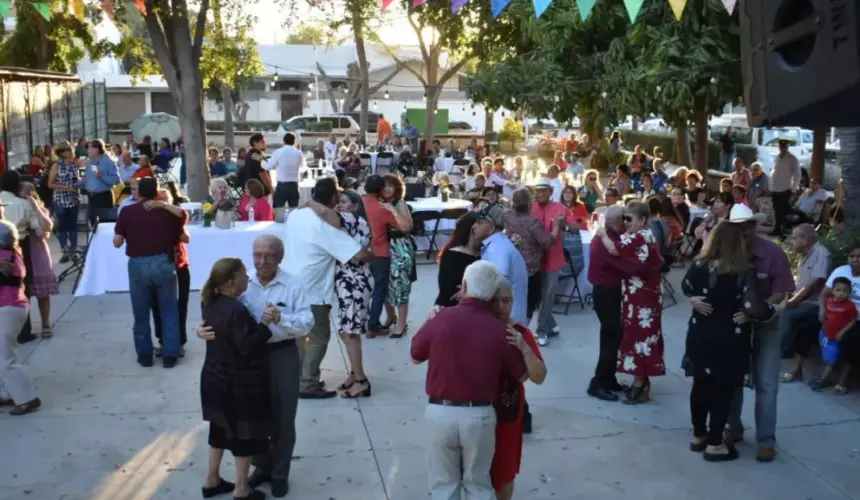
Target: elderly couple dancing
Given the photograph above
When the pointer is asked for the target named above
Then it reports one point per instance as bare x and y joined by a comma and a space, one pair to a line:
478, 359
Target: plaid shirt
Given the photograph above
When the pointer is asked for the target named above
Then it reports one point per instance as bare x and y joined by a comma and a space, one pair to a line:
67, 175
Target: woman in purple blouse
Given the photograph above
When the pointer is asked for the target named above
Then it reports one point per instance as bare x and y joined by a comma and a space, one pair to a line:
16, 387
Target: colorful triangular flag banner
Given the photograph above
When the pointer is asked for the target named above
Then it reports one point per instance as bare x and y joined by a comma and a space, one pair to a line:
418, 3
585, 7
730, 5
456, 5
385, 4
541, 6
678, 7
44, 9
141, 6
5, 8
498, 6
633, 7
76, 7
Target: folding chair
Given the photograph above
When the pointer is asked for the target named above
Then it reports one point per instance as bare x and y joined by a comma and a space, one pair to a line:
78, 261
676, 251
419, 229
689, 238
450, 214
569, 273
668, 290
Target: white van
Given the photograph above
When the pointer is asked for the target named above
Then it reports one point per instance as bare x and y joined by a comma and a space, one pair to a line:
341, 125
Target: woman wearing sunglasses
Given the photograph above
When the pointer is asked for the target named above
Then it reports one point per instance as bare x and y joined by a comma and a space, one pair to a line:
641, 351
591, 192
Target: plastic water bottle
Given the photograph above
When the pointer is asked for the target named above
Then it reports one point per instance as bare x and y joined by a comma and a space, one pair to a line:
251, 214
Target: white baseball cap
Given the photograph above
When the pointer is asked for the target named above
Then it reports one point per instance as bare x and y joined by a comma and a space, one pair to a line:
742, 213
542, 182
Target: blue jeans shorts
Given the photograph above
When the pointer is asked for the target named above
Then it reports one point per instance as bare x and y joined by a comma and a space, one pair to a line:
829, 349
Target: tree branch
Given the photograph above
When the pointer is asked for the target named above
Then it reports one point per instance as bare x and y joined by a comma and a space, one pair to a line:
376, 88
329, 90
199, 29
161, 48
451, 72
402, 64
421, 44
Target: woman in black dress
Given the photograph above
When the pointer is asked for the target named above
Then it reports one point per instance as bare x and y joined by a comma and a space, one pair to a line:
454, 257
718, 346
234, 387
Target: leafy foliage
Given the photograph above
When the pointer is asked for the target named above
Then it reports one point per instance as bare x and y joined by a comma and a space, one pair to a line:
313, 33
56, 45
512, 130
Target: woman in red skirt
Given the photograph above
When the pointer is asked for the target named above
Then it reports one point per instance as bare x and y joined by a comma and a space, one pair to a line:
641, 350
509, 406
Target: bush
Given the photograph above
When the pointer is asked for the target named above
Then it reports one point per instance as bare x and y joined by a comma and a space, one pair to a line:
511, 131
648, 140
249, 126
319, 126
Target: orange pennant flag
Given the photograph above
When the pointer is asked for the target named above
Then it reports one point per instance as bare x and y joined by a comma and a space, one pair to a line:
140, 6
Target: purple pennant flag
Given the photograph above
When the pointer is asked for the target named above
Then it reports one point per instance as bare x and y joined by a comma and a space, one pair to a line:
497, 6
418, 3
456, 5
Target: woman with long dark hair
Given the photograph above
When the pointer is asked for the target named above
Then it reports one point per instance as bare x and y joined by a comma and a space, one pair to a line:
570, 199
455, 256
719, 349
402, 250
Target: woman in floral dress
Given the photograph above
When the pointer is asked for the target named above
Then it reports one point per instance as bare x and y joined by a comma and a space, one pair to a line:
641, 350
402, 249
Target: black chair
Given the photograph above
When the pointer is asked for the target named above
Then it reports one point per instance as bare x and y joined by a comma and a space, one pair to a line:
414, 190
688, 247
668, 290
419, 228
569, 273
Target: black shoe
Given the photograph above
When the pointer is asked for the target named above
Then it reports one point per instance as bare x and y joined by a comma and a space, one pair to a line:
168, 361
145, 361
318, 393
222, 488
23, 339
616, 387
602, 394
64, 258
721, 457
280, 488
527, 423
254, 495
257, 478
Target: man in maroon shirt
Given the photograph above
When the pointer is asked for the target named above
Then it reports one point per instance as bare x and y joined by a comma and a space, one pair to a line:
150, 238
467, 353
605, 273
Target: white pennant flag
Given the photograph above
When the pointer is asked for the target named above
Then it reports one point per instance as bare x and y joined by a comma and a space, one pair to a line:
730, 5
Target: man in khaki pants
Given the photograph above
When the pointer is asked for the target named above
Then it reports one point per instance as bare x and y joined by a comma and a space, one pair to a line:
314, 243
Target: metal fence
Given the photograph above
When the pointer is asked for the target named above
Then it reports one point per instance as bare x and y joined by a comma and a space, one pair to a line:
36, 110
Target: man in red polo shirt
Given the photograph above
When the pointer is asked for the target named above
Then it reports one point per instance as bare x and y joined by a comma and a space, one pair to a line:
605, 273
467, 353
150, 238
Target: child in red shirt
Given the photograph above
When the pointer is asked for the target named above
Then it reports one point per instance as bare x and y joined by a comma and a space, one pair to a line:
841, 317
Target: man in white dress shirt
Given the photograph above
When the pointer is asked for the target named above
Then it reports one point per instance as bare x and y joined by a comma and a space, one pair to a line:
784, 180
313, 247
288, 162
280, 298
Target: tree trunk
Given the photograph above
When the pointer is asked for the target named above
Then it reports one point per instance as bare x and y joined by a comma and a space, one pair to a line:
682, 141
634, 122
194, 134
488, 120
819, 142
430, 123
358, 34
849, 158
227, 101
329, 90
700, 121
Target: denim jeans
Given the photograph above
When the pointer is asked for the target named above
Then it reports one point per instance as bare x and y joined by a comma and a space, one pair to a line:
726, 161
154, 278
767, 362
67, 226
546, 321
792, 319
183, 172
380, 268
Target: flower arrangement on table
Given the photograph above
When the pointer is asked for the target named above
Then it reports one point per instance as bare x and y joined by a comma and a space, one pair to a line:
208, 215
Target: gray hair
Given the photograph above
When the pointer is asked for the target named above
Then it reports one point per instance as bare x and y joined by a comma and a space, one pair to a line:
521, 200
807, 231
217, 184
615, 212
504, 285
8, 235
273, 241
481, 280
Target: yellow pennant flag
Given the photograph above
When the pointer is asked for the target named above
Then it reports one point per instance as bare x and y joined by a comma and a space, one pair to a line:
678, 7
77, 9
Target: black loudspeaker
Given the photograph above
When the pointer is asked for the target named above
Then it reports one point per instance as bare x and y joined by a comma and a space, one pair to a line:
801, 62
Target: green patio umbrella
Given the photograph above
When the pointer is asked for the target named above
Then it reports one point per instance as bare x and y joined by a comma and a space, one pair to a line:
156, 125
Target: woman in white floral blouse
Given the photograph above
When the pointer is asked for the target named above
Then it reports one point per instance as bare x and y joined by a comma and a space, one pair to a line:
641, 350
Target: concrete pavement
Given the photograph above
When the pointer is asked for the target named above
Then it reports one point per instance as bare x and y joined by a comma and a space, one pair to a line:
111, 430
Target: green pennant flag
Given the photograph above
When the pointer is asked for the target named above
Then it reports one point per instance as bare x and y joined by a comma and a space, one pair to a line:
633, 7
5, 8
585, 7
44, 9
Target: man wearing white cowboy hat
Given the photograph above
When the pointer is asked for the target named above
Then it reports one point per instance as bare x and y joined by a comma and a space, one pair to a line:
775, 281
551, 214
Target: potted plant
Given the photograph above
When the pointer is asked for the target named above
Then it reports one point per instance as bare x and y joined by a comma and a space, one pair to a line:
208, 215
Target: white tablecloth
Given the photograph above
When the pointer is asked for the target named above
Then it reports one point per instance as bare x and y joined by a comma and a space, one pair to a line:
435, 204
444, 164
106, 269
372, 161
584, 285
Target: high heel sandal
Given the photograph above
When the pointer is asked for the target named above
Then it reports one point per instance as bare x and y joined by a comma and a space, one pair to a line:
401, 334
365, 393
638, 394
349, 382
389, 323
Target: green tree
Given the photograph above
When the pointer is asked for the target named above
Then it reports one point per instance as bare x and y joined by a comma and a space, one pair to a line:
190, 62
313, 33
55, 45
683, 70
512, 130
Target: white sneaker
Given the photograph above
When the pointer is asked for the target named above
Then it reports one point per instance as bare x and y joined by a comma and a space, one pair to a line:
542, 340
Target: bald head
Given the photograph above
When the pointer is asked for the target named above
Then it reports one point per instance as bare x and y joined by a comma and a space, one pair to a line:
614, 218
271, 243
268, 254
